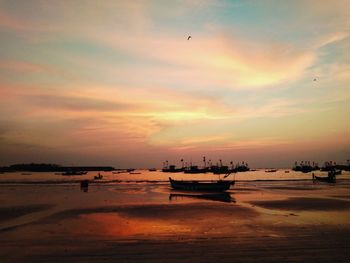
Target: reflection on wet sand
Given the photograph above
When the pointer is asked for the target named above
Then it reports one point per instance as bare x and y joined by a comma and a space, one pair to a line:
220, 197
120, 226
149, 222
84, 186
305, 204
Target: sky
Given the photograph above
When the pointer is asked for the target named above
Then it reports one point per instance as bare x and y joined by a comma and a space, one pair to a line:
118, 83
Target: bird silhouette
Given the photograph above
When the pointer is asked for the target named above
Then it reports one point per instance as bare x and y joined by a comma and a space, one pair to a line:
189, 37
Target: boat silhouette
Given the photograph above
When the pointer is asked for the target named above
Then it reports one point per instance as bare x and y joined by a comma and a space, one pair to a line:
331, 178
220, 197
220, 185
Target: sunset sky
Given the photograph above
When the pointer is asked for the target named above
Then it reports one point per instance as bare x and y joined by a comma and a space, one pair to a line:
118, 83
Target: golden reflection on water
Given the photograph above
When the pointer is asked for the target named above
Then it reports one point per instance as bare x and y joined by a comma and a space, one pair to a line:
119, 226
152, 221
152, 211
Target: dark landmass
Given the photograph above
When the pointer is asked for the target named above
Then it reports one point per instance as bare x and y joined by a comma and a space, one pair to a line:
48, 167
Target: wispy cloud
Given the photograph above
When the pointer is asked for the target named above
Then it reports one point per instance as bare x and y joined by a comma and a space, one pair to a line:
122, 77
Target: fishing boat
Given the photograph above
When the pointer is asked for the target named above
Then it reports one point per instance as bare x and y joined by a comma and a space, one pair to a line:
195, 170
98, 177
337, 172
172, 169
220, 185
271, 171
222, 169
329, 179
74, 173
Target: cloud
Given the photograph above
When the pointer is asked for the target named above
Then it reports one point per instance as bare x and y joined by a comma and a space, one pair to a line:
23, 67
223, 60
139, 84
76, 103
330, 39
10, 22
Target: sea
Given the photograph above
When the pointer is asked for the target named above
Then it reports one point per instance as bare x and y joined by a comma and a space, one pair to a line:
146, 176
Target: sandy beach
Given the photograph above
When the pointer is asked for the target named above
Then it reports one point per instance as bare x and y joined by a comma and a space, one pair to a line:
132, 222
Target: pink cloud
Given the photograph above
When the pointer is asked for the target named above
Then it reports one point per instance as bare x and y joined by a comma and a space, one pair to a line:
23, 67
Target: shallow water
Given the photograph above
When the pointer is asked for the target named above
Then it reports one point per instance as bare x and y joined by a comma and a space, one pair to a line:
158, 176
133, 221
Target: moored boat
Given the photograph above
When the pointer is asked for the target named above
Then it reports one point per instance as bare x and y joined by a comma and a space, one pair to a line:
220, 185
74, 173
195, 170
98, 177
172, 169
331, 178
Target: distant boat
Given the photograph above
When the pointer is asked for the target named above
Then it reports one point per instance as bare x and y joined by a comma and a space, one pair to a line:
331, 178
152, 169
74, 173
305, 167
134, 173
195, 170
98, 177
120, 172
271, 171
240, 167
215, 169
219, 185
172, 169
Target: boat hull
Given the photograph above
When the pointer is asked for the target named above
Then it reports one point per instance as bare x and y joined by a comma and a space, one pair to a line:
201, 186
328, 179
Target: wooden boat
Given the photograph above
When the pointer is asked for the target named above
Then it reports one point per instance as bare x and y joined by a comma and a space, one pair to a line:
271, 171
98, 177
329, 179
337, 172
219, 169
195, 170
172, 169
68, 173
219, 185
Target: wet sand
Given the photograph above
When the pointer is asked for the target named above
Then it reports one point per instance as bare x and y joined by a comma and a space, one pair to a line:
149, 222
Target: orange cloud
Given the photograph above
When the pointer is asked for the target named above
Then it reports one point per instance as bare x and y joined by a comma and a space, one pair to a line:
23, 67
11, 22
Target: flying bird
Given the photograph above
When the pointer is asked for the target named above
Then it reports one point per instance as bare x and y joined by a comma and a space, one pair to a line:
189, 37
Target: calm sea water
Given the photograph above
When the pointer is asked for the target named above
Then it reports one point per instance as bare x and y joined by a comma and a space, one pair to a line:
158, 176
